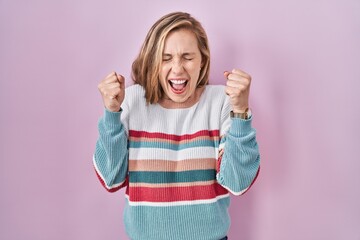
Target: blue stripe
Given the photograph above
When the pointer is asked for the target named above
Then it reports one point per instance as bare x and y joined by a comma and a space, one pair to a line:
172, 177
177, 218
175, 147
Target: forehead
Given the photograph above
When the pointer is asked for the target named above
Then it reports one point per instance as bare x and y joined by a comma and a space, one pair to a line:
181, 40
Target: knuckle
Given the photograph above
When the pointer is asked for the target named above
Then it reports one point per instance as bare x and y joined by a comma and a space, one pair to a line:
101, 90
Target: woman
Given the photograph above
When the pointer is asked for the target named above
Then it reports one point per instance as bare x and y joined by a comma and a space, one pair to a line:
177, 144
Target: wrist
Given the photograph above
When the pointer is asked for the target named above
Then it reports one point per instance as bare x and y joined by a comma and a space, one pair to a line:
240, 109
246, 114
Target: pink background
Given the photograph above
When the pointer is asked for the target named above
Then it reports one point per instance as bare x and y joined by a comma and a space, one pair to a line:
304, 57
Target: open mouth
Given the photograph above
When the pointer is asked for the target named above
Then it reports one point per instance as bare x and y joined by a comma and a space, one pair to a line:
178, 85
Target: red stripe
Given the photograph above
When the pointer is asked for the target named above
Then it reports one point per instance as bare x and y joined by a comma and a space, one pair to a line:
125, 183
213, 133
171, 194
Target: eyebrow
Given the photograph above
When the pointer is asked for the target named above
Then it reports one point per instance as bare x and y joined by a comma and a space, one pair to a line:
186, 54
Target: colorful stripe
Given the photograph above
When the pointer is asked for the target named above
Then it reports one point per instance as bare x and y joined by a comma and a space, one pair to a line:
181, 184
142, 139
171, 194
175, 147
171, 166
177, 203
178, 138
185, 178
172, 177
170, 155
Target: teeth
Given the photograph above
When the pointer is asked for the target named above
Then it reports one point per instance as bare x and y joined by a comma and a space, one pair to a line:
177, 81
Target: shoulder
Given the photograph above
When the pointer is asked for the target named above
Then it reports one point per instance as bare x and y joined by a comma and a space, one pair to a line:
135, 89
216, 99
134, 97
215, 93
134, 93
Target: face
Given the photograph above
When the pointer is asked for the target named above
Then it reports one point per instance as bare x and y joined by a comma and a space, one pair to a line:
181, 63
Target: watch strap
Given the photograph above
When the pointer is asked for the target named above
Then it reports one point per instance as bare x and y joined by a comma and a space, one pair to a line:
245, 115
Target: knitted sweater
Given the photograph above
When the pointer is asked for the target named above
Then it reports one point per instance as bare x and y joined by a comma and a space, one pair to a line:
178, 165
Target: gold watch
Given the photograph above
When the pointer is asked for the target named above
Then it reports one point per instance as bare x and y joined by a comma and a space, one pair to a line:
245, 115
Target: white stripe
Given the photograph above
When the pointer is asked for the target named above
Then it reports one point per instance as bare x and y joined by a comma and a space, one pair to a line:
235, 193
177, 203
102, 177
170, 155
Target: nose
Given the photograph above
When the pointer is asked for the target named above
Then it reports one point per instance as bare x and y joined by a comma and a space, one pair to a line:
177, 66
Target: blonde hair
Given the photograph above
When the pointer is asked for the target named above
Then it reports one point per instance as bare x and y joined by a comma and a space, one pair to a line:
146, 67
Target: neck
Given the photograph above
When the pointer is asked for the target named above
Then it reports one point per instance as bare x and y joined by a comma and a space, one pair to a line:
191, 101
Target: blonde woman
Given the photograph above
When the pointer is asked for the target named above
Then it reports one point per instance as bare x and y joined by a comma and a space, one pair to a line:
179, 146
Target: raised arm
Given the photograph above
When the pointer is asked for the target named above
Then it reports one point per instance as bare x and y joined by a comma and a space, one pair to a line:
239, 158
111, 153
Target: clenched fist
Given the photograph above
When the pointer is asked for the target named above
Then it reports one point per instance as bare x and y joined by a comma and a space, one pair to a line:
112, 90
238, 89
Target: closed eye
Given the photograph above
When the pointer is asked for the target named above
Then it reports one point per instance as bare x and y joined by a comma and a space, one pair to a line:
166, 57
188, 56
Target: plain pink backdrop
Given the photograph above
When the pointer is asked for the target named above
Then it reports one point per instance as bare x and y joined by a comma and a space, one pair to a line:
304, 59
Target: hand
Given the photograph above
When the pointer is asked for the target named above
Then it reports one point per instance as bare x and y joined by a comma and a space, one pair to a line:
238, 89
112, 90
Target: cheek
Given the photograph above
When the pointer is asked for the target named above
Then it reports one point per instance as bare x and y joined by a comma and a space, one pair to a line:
163, 72
193, 67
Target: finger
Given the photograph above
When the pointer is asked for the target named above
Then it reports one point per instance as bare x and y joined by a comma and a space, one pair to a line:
241, 73
110, 79
237, 77
112, 93
237, 83
231, 91
226, 74
120, 79
110, 74
104, 88
112, 85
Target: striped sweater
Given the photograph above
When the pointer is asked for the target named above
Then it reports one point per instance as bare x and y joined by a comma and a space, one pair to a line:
178, 165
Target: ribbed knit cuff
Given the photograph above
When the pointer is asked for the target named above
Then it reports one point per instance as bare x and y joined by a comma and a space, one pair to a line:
240, 127
112, 118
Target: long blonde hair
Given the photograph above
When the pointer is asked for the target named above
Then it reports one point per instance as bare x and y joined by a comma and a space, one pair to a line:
146, 67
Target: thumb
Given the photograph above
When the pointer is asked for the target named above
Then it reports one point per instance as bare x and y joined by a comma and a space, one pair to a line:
120, 78
226, 74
